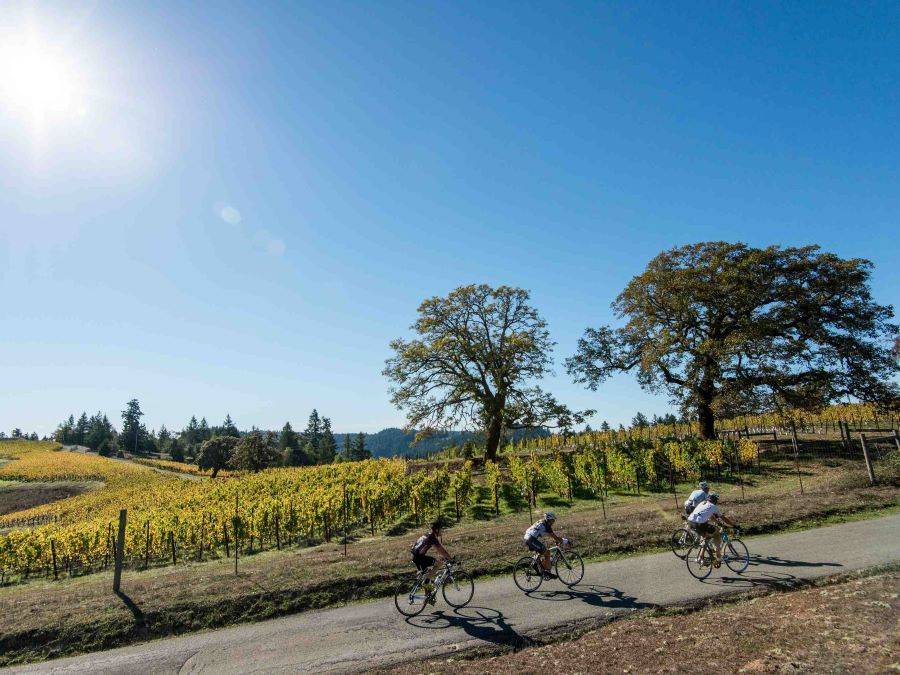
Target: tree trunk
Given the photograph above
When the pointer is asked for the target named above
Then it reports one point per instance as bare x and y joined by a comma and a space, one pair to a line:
707, 420
493, 438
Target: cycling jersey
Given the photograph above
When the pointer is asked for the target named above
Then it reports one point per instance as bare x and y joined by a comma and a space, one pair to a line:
697, 497
538, 530
704, 512
423, 543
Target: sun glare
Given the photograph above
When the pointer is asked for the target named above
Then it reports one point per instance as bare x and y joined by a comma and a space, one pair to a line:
39, 83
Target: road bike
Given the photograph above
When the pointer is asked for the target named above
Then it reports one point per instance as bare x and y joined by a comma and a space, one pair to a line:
455, 584
567, 564
699, 558
683, 539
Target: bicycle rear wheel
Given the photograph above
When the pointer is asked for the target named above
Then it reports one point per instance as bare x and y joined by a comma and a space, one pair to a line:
697, 569
570, 569
526, 575
410, 598
681, 541
458, 590
736, 556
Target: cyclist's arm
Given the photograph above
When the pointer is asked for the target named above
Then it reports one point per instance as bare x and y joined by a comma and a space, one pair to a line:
441, 551
556, 538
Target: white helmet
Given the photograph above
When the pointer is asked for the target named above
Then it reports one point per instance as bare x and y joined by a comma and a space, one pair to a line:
704, 486
549, 515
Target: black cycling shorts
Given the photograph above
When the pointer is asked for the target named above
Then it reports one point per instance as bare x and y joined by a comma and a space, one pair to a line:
535, 544
704, 529
422, 562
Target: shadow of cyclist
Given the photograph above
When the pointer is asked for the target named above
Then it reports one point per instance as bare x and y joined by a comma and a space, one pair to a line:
483, 623
592, 594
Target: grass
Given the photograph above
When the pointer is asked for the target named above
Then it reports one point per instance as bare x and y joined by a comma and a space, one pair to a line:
846, 623
84, 615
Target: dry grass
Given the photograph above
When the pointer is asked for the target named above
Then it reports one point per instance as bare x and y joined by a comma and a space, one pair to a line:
849, 626
16, 496
84, 615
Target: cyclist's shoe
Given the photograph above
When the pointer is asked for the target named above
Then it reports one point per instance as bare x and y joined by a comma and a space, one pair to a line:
550, 575
430, 599
717, 563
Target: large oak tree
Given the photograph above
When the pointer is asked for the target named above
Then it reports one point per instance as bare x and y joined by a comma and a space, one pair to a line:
476, 360
728, 328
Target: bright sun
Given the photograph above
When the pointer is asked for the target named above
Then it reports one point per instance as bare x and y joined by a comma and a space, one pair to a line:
39, 83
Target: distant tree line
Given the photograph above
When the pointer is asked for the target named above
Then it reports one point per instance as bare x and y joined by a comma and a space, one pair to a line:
18, 434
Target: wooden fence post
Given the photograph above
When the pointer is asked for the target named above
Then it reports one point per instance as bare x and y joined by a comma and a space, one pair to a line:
172, 545
277, 531
236, 540
147, 545
868, 460
202, 534
120, 551
796, 454
53, 554
897, 438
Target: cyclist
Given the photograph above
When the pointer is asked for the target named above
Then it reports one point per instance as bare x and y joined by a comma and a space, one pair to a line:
696, 498
533, 541
425, 563
704, 520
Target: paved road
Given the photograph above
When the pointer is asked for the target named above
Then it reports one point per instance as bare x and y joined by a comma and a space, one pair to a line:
371, 634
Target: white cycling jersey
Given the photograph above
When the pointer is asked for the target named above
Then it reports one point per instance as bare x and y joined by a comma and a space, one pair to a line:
704, 512
696, 498
538, 530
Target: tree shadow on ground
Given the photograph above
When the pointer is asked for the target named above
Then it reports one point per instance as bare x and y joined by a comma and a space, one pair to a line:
482, 623
592, 594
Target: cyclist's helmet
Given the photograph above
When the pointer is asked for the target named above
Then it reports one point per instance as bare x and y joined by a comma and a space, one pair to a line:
704, 486
714, 497
549, 515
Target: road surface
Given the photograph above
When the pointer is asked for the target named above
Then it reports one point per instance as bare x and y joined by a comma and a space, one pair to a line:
366, 635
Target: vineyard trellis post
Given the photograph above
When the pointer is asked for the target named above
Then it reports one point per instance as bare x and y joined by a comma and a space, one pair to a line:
53, 554
796, 454
172, 545
897, 438
147, 545
236, 546
120, 551
868, 460
345, 518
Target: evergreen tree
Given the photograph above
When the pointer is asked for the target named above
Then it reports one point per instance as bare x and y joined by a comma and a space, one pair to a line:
327, 445
164, 438
348, 448
604, 426
229, 428
189, 434
203, 431
81, 429
289, 444
134, 437
313, 433
639, 421
359, 448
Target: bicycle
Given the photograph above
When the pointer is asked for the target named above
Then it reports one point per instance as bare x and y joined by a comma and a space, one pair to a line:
456, 586
699, 558
528, 574
683, 539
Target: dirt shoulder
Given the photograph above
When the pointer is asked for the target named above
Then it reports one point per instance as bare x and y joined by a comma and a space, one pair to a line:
45, 619
839, 625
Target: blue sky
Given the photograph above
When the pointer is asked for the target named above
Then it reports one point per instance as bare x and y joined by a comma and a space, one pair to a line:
234, 207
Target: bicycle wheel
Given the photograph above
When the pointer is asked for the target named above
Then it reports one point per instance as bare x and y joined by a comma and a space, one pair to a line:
526, 575
736, 555
698, 570
410, 598
681, 541
458, 590
570, 569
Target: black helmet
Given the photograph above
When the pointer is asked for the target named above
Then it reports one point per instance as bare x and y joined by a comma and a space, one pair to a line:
713, 497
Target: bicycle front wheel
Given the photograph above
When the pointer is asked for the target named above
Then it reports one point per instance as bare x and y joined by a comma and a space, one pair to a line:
570, 569
526, 575
410, 598
681, 542
699, 570
458, 590
736, 556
